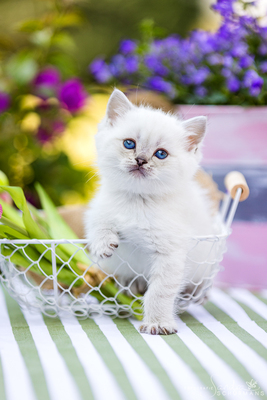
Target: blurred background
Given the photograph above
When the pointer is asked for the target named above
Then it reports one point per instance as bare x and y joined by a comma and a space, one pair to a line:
46, 44
60, 59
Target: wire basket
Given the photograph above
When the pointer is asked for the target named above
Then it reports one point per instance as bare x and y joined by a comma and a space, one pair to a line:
43, 283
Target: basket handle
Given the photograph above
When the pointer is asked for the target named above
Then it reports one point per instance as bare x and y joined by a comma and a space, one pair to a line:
235, 180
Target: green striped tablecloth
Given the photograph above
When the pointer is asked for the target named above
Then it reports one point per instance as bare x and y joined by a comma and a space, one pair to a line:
219, 351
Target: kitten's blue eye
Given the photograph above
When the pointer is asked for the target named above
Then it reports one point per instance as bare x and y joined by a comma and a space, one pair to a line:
161, 154
129, 144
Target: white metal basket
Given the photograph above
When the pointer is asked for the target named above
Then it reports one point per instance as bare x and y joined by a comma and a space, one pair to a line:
92, 293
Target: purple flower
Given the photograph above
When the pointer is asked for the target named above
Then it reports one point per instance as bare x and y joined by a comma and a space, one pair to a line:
4, 102
228, 61
131, 64
58, 127
253, 82
100, 70
227, 73
200, 75
215, 59
239, 49
233, 84
157, 83
127, 46
182, 66
43, 135
154, 64
72, 95
224, 7
246, 61
46, 82
263, 67
117, 65
201, 91
263, 49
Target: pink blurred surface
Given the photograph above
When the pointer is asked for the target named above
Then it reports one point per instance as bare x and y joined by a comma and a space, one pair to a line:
235, 135
245, 262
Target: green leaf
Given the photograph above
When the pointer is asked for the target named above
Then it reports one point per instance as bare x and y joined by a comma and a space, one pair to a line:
3, 178
37, 214
63, 40
68, 20
33, 229
22, 68
12, 214
58, 228
19, 233
28, 257
42, 37
31, 26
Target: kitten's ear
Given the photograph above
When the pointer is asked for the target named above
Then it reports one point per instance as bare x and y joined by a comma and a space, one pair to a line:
196, 129
118, 105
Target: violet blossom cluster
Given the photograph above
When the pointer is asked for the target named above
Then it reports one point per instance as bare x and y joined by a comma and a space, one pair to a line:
71, 96
228, 66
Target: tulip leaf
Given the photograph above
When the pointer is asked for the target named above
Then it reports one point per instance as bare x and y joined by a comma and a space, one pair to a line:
12, 214
58, 228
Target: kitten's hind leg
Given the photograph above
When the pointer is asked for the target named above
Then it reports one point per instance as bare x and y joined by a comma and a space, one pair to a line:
134, 285
166, 277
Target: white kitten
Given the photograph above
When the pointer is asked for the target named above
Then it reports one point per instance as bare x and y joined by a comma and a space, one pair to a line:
147, 160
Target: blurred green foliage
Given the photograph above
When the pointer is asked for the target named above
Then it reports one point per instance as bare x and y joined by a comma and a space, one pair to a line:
65, 35
105, 22
31, 124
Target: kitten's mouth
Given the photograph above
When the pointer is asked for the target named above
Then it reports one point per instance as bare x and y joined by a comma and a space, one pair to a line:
138, 171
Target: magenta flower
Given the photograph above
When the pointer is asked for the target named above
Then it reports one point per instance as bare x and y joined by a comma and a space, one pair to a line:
4, 102
50, 76
44, 135
46, 82
72, 95
58, 127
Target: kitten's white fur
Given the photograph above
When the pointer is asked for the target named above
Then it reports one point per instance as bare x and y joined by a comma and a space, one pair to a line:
155, 209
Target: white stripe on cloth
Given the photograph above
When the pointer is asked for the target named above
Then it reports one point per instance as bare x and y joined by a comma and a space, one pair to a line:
18, 384
101, 380
224, 377
60, 383
253, 363
264, 293
249, 300
143, 381
236, 312
183, 378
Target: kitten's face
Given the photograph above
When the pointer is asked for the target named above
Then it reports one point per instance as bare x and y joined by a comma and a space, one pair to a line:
144, 151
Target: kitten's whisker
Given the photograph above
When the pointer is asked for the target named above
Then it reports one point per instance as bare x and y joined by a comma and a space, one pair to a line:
91, 177
184, 115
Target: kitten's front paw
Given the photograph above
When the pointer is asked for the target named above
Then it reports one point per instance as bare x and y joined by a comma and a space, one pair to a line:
104, 245
158, 328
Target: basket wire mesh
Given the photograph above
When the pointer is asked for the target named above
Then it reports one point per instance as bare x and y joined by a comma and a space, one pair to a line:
45, 283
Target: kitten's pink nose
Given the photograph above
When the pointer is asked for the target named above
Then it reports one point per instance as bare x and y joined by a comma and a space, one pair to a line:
140, 161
